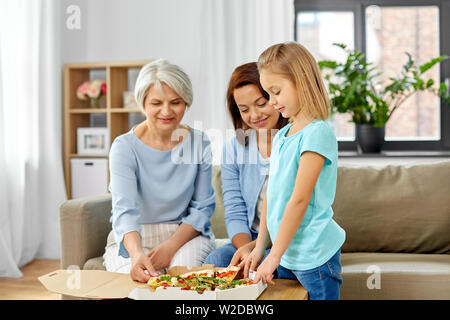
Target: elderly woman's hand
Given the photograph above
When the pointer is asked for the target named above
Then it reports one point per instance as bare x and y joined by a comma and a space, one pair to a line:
139, 264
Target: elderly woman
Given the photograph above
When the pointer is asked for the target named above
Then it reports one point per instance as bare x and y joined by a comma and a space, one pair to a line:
160, 181
245, 163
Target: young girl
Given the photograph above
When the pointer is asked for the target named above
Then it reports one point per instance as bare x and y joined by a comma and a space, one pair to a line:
297, 215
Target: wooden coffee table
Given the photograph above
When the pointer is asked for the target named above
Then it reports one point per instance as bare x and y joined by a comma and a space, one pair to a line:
284, 289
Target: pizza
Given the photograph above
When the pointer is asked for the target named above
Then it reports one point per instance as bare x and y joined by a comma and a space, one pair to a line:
160, 281
236, 284
201, 281
203, 273
228, 274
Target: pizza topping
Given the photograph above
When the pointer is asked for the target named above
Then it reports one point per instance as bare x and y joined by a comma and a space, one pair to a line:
202, 281
167, 278
224, 274
228, 273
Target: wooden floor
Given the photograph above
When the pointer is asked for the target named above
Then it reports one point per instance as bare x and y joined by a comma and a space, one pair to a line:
28, 287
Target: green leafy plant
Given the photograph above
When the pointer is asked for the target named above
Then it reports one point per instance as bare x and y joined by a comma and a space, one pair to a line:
354, 87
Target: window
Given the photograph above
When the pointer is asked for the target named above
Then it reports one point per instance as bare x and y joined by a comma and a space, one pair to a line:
317, 30
384, 31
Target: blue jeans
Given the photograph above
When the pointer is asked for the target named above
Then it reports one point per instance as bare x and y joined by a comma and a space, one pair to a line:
322, 283
222, 257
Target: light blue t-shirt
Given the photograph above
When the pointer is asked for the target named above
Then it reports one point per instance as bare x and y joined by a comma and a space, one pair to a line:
319, 236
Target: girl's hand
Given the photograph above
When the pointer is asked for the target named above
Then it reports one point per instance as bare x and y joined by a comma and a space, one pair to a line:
139, 264
161, 255
266, 269
253, 260
242, 253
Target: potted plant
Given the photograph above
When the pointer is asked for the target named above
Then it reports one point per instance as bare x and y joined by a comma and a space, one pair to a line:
354, 88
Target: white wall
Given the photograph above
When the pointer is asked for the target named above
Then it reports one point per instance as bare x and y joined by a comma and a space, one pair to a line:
132, 30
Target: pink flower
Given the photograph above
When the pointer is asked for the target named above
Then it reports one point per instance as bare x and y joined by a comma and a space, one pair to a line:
82, 90
91, 89
94, 92
84, 87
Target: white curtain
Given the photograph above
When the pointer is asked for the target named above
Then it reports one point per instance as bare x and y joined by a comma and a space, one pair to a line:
31, 175
234, 32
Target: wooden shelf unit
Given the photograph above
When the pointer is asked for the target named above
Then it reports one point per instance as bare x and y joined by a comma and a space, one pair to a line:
78, 113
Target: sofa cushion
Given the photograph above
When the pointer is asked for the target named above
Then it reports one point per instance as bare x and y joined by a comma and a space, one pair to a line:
84, 228
395, 208
94, 264
395, 276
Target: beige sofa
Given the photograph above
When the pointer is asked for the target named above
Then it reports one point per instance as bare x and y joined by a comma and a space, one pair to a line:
397, 221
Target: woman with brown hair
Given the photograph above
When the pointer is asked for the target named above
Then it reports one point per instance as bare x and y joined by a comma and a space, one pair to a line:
245, 163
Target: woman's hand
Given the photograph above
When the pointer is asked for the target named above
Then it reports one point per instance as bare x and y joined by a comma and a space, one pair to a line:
266, 269
242, 253
139, 261
139, 264
162, 254
253, 259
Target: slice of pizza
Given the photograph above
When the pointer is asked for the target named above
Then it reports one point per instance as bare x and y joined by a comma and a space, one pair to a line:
242, 282
228, 274
201, 273
161, 281
235, 284
194, 280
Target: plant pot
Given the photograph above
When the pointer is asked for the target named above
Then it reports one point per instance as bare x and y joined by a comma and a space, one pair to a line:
369, 139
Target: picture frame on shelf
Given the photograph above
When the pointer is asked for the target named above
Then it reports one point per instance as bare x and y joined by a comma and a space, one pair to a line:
93, 141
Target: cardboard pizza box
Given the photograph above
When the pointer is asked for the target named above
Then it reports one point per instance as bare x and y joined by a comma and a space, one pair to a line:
98, 284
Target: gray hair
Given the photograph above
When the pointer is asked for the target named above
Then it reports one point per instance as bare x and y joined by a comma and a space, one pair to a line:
158, 72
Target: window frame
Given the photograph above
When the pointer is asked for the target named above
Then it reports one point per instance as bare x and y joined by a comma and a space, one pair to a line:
358, 7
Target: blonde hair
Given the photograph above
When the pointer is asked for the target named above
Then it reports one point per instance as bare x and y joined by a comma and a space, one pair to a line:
296, 63
158, 72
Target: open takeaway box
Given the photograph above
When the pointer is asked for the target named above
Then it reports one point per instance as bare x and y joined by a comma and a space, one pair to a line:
98, 284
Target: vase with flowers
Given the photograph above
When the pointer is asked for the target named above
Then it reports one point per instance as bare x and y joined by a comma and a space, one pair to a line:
93, 91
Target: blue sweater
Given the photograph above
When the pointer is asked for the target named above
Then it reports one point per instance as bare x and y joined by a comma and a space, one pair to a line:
243, 175
150, 186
